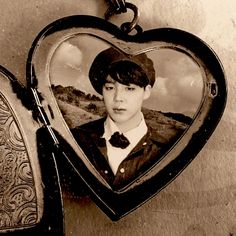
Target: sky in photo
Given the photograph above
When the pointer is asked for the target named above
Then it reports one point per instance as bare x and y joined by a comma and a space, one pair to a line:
178, 87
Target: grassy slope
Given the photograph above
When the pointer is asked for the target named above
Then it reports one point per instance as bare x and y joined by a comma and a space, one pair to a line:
78, 108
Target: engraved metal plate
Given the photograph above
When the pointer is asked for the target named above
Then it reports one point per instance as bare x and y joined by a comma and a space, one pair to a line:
25, 174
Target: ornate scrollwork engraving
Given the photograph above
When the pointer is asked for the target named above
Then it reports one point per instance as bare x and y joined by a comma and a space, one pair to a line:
18, 202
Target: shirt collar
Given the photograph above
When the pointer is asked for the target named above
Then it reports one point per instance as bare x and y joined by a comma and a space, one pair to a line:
109, 128
133, 135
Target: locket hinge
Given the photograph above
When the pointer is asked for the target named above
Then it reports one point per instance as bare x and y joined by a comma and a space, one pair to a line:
42, 116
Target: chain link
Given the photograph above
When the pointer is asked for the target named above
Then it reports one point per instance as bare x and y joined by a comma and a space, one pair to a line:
120, 6
115, 7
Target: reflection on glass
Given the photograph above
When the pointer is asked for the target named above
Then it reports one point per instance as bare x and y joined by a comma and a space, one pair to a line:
174, 100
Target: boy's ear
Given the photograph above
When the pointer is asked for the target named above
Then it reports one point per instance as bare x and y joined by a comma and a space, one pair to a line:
147, 92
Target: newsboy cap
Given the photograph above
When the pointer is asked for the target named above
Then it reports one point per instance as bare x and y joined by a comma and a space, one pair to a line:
105, 59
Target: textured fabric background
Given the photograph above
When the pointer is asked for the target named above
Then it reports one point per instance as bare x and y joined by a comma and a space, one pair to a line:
201, 201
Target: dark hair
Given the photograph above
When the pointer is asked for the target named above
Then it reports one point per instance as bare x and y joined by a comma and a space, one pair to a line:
124, 68
127, 72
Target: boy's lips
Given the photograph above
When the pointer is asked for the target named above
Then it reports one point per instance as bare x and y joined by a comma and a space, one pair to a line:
118, 110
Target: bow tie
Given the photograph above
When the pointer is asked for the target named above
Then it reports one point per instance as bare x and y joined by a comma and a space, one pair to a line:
119, 140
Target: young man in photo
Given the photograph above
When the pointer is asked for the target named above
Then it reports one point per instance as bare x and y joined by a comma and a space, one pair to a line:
120, 146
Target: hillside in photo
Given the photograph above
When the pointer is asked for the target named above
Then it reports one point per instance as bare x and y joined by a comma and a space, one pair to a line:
78, 108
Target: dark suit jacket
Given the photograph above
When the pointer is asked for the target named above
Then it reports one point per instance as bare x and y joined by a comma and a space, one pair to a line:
146, 153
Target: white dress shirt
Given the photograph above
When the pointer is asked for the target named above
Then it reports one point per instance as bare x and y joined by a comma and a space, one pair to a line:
117, 155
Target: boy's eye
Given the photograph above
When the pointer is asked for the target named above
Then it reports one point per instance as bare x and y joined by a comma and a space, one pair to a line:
109, 86
130, 88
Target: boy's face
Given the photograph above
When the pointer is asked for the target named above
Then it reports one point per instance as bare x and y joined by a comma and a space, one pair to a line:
124, 102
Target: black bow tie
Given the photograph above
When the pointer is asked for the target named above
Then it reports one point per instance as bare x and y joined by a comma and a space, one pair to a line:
119, 140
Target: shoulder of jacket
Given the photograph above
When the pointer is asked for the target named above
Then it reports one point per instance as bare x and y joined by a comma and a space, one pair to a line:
91, 127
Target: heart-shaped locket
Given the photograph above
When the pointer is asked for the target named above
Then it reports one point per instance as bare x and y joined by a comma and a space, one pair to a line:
185, 105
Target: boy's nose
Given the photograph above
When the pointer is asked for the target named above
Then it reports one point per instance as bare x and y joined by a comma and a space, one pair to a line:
118, 96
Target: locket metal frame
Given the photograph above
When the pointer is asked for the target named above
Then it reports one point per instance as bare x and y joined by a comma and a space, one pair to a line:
119, 203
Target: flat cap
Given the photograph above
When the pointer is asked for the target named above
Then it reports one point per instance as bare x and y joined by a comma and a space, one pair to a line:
100, 66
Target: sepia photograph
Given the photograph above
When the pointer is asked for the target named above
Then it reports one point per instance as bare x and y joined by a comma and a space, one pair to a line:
117, 117
125, 111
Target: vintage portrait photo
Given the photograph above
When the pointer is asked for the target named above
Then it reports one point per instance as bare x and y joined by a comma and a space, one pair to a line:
125, 111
